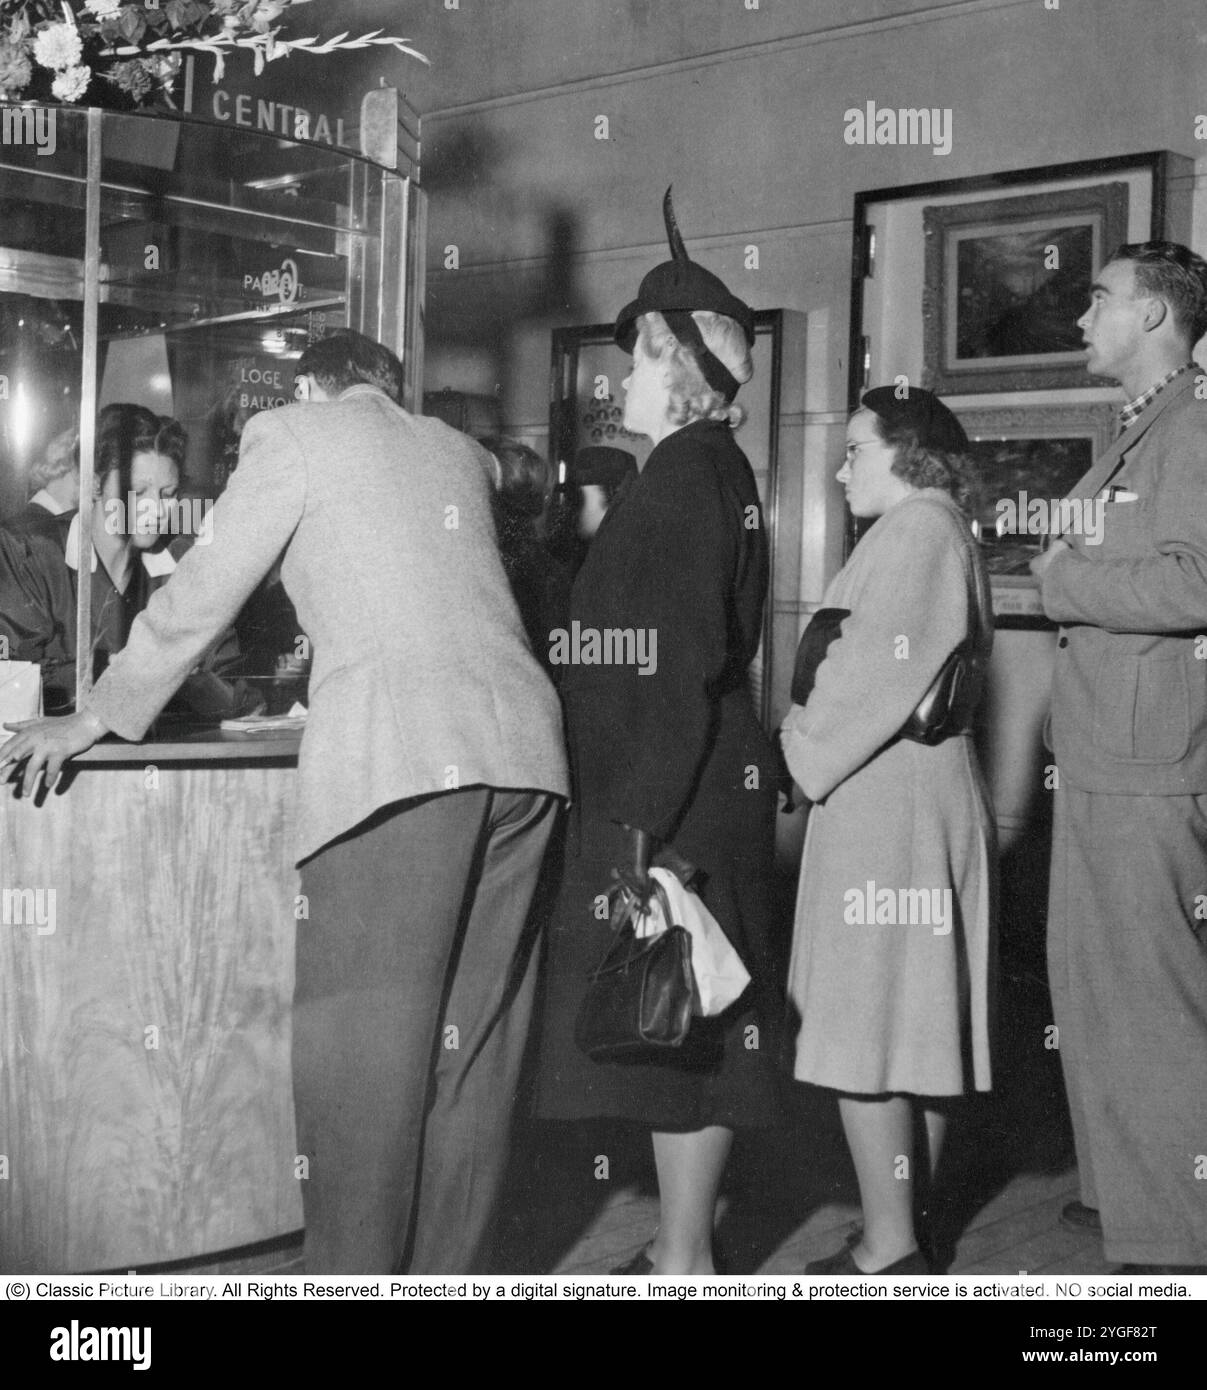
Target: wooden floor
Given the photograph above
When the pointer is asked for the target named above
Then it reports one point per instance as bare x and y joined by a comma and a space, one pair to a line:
582, 1199
790, 1196
787, 1201
1016, 1232
760, 1230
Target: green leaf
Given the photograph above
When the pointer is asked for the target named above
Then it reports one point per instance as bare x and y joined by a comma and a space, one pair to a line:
185, 14
132, 25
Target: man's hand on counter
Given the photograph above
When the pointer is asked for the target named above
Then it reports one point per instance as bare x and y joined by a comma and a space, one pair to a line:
46, 744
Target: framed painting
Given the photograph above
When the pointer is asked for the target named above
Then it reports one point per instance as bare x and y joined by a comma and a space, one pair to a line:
1026, 458
1007, 281
974, 286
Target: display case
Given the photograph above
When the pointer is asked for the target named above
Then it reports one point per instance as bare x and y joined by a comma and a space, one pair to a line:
184, 267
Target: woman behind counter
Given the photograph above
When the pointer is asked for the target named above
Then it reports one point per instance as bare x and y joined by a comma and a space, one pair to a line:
139, 456
55, 478
674, 749
895, 992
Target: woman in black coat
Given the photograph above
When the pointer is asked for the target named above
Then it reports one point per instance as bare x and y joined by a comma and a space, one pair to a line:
670, 744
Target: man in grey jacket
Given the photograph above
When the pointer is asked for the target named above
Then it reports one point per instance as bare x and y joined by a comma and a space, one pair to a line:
1127, 935
428, 777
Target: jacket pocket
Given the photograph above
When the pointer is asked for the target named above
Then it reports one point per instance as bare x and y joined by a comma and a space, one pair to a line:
1142, 708
1126, 530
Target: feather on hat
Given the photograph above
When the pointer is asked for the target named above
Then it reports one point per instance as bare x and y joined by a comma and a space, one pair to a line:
677, 288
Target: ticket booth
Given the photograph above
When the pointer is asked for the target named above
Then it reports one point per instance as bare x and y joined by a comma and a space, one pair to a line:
149, 911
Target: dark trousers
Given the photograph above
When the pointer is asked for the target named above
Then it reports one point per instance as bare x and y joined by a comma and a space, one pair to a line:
415, 978
1127, 962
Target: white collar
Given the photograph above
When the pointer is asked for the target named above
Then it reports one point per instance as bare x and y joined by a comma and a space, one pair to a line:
42, 498
155, 562
359, 388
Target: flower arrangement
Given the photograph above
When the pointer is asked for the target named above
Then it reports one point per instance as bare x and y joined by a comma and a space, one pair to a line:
48, 48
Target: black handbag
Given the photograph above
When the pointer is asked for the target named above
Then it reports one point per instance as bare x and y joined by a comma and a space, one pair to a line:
638, 1004
945, 709
948, 706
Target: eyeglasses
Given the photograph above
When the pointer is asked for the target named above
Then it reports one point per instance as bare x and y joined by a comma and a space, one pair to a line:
852, 449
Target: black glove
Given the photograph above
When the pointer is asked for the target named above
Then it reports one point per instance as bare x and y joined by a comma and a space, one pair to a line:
634, 872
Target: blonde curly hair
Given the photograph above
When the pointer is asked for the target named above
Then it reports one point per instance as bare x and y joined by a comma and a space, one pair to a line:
691, 396
62, 457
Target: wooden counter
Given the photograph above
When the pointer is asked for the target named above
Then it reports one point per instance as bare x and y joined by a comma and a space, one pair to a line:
147, 917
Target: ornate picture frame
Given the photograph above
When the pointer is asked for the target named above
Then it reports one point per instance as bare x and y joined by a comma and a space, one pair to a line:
889, 273
1006, 282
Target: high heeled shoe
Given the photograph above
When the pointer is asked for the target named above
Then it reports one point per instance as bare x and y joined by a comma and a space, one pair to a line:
639, 1264
642, 1264
937, 1256
843, 1262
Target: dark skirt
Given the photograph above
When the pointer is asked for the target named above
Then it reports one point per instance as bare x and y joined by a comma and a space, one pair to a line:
726, 1073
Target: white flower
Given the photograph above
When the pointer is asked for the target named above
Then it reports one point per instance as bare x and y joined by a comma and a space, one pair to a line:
266, 15
71, 83
104, 8
58, 46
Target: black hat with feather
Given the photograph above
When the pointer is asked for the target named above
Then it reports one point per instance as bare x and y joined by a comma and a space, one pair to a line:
677, 288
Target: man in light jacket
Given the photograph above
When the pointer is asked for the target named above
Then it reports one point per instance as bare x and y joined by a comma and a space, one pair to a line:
428, 778
1127, 939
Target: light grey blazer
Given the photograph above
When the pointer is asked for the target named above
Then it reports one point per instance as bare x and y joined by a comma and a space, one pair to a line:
422, 679
1129, 692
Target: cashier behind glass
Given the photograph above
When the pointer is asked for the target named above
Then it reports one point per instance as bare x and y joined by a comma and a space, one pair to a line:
139, 456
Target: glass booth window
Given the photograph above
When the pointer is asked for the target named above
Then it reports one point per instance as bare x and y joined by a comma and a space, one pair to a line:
222, 253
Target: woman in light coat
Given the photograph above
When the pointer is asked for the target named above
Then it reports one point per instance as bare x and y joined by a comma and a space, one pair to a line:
892, 958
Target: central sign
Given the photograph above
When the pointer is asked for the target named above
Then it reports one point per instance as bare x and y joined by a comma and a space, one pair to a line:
277, 118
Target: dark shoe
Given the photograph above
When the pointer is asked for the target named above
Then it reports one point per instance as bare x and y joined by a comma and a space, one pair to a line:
937, 1258
642, 1264
1079, 1218
639, 1264
843, 1262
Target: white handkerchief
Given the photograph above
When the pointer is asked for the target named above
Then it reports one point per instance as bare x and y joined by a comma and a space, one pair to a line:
720, 977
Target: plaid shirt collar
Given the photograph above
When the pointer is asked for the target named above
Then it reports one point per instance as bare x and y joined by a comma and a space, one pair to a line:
1132, 410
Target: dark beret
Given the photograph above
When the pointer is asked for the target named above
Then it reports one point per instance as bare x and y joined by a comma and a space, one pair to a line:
921, 411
